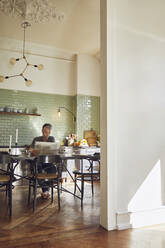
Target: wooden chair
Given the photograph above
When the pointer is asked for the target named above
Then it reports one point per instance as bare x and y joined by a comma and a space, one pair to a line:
89, 175
6, 178
52, 178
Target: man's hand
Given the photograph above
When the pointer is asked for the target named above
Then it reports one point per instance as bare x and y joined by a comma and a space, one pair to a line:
34, 152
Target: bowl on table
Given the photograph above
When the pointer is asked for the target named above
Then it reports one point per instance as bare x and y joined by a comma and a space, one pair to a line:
20, 111
7, 109
15, 110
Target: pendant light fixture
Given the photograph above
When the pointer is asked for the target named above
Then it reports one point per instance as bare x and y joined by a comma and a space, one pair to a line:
13, 61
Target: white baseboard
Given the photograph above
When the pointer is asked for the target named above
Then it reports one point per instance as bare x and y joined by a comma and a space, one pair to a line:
109, 228
126, 220
123, 220
123, 226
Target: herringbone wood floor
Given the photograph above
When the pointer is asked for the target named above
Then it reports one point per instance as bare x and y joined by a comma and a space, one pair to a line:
71, 227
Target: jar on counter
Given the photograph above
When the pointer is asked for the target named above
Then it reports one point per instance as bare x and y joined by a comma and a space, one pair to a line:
26, 111
35, 111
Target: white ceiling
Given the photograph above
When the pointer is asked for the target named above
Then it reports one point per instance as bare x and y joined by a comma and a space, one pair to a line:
78, 32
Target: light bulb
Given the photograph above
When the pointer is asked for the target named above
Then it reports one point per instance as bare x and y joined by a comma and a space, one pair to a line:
59, 113
40, 67
1, 79
12, 61
28, 83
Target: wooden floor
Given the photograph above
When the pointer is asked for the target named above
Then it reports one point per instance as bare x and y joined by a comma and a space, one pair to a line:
70, 228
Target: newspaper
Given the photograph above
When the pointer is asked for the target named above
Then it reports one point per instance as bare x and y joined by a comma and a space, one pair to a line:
47, 148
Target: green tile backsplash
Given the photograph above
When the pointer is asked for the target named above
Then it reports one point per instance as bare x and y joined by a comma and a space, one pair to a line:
88, 114
86, 109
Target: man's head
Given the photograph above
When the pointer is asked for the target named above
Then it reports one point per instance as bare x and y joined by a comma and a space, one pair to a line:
46, 129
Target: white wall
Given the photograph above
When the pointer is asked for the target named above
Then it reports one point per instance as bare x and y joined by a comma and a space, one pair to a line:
57, 77
138, 55
88, 75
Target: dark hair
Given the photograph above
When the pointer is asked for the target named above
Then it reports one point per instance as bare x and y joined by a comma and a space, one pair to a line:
47, 125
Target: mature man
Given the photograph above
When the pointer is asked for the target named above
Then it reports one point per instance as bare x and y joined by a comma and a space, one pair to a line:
46, 130
48, 168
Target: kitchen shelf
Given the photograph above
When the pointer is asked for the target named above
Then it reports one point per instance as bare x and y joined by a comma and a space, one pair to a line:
14, 113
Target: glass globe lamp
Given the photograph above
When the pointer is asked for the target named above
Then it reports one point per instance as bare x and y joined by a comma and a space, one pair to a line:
28, 83
40, 67
12, 61
1, 79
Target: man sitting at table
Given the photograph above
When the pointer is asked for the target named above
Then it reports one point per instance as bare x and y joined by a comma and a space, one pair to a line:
48, 168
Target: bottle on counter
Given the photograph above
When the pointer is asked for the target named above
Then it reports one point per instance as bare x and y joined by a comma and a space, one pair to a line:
66, 141
71, 140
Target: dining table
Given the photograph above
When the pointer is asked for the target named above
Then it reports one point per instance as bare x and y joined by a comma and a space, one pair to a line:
62, 166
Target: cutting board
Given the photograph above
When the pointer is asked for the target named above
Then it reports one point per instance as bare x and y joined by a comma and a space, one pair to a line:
90, 136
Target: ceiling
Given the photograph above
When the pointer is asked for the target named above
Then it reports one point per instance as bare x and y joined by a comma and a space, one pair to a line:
79, 32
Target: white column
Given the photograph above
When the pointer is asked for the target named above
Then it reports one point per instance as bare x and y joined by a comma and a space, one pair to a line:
108, 195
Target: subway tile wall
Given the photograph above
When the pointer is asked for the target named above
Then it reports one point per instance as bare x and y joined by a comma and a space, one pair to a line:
86, 109
88, 114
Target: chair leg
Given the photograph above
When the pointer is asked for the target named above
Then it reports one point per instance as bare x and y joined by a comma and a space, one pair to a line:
58, 192
6, 190
82, 190
10, 198
75, 182
35, 195
52, 192
60, 185
92, 184
29, 192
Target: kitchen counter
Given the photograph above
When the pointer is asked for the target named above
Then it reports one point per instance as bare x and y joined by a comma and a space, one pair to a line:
80, 150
